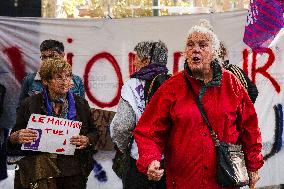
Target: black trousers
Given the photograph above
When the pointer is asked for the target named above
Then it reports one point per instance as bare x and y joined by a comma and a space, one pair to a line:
133, 179
3, 155
70, 182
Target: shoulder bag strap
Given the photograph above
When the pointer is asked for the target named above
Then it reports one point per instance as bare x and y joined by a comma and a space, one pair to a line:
148, 89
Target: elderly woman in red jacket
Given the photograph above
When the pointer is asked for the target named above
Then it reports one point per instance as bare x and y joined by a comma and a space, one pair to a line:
172, 124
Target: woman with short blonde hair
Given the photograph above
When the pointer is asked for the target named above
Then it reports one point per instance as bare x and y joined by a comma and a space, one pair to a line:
49, 170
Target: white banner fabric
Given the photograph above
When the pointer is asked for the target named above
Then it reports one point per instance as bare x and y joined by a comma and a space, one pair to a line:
100, 53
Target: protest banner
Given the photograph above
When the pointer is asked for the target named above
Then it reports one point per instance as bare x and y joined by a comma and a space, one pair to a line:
101, 53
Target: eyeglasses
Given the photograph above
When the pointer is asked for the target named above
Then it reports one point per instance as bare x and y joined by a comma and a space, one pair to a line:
49, 54
62, 78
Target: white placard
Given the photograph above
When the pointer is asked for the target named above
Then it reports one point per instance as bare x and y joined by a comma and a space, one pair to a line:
53, 134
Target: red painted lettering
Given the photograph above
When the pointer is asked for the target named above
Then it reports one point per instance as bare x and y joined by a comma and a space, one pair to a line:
60, 150
70, 56
74, 125
47, 130
263, 69
131, 67
50, 119
113, 62
41, 119
177, 56
16, 59
70, 124
33, 119
245, 62
56, 122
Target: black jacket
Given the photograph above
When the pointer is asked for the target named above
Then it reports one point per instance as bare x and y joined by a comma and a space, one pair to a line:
82, 161
2, 94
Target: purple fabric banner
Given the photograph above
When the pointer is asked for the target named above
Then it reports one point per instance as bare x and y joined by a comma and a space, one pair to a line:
264, 21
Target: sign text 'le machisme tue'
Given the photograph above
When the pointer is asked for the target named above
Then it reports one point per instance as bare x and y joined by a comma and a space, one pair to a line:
53, 134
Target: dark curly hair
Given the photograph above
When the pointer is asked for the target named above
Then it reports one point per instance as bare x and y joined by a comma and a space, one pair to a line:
51, 44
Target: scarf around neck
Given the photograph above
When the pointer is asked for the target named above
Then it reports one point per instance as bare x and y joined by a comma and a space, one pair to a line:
71, 114
150, 71
217, 73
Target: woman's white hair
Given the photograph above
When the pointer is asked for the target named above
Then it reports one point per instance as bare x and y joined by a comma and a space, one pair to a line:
206, 28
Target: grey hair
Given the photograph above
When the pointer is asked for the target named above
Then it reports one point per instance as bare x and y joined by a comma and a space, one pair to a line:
156, 52
205, 27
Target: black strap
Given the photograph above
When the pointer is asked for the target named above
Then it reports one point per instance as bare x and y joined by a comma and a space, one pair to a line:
148, 89
2, 94
202, 111
128, 149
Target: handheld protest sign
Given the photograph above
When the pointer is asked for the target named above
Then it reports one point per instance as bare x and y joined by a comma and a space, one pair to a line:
53, 134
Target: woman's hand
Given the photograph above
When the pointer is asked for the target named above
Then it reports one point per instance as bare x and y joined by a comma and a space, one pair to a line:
154, 172
80, 141
23, 136
253, 178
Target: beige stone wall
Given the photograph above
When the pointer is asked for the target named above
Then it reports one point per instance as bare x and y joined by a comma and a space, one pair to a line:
222, 5
49, 6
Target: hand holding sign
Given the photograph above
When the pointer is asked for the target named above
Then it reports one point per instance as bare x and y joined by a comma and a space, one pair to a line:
80, 141
23, 136
53, 134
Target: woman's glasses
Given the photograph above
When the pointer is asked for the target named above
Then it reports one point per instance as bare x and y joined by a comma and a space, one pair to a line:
62, 78
49, 54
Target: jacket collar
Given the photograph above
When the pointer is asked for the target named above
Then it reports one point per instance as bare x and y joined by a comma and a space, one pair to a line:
217, 73
37, 77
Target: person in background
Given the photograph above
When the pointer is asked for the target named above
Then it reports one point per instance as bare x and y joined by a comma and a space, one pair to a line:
172, 123
48, 170
150, 62
32, 84
3, 136
238, 72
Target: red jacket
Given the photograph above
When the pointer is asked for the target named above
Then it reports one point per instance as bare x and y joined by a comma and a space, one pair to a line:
172, 124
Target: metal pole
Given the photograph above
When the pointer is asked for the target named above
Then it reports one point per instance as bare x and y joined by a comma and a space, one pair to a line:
156, 12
